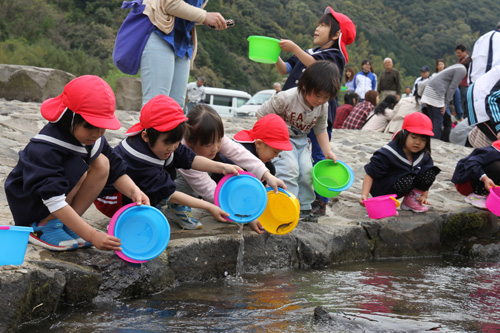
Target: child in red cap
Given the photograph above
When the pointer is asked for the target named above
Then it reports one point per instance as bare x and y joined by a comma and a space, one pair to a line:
475, 174
404, 166
153, 153
268, 137
304, 109
64, 168
334, 31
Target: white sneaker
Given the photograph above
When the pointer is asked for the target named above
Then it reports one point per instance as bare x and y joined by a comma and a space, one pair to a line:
182, 216
478, 201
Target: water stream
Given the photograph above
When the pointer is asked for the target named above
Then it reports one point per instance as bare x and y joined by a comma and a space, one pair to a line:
387, 296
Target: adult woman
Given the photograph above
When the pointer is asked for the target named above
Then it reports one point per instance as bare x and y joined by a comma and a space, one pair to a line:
165, 61
349, 78
381, 115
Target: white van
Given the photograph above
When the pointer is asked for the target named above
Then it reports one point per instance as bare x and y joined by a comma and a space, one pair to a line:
225, 101
253, 104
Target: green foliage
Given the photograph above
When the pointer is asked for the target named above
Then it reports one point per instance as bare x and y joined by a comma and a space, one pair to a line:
78, 35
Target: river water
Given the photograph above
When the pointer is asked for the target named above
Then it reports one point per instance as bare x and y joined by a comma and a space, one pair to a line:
399, 296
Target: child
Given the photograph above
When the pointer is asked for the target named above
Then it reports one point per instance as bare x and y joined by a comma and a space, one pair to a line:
304, 108
404, 166
153, 152
206, 138
476, 173
264, 143
334, 32
64, 167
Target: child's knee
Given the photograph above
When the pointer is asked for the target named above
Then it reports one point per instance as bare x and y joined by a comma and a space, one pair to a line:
100, 166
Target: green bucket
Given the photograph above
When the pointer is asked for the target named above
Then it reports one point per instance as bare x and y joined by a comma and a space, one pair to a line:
264, 49
329, 179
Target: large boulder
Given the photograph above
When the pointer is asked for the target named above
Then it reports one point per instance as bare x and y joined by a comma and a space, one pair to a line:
128, 91
31, 84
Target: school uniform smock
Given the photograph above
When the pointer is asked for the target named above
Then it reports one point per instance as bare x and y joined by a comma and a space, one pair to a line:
48, 169
472, 167
155, 177
250, 146
389, 164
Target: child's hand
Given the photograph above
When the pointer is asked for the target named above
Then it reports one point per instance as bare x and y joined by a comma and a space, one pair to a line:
363, 198
287, 45
230, 168
218, 213
331, 156
103, 241
423, 199
488, 183
273, 182
256, 226
140, 198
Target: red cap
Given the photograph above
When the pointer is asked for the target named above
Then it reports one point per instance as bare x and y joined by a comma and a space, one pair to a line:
347, 30
496, 145
271, 129
89, 96
418, 123
161, 113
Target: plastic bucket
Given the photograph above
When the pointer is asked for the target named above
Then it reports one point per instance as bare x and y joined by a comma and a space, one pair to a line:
243, 197
493, 200
143, 230
263, 49
282, 212
13, 243
381, 206
329, 179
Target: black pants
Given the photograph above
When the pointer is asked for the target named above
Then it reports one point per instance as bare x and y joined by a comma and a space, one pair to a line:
445, 134
492, 170
423, 181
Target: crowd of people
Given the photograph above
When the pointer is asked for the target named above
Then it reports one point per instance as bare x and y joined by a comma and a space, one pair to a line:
173, 161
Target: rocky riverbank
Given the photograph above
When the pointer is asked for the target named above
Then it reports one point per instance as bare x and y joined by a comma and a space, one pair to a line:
48, 280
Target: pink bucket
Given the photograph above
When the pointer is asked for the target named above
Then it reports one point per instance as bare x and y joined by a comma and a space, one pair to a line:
381, 206
493, 200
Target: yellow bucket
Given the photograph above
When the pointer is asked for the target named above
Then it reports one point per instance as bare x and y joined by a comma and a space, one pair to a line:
282, 212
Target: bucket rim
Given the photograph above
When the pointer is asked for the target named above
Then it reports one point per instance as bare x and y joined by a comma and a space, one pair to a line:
341, 189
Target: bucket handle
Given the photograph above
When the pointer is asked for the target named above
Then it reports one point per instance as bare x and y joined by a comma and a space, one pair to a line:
396, 201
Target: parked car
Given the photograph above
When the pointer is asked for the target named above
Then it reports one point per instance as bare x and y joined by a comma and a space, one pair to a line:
225, 101
250, 108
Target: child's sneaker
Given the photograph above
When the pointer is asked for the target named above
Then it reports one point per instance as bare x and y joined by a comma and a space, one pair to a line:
478, 201
52, 236
318, 207
82, 243
306, 216
410, 202
182, 216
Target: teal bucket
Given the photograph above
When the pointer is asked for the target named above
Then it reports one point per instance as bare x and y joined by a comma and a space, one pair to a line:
329, 178
13, 244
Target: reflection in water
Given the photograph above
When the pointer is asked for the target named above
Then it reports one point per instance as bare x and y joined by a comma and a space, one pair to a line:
393, 295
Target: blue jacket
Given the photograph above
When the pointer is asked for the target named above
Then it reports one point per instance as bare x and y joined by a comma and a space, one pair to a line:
364, 82
389, 164
48, 168
471, 167
155, 177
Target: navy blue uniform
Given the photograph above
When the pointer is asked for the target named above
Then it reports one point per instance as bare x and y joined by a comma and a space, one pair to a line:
389, 164
155, 177
473, 166
48, 168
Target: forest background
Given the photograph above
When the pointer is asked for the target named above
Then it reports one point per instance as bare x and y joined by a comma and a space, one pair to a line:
77, 36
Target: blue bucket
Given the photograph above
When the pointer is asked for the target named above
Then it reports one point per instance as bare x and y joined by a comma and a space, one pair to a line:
13, 243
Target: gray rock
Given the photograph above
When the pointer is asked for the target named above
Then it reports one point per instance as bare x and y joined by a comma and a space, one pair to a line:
128, 91
31, 84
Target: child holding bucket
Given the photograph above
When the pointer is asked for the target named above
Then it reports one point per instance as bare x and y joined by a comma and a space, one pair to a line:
304, 108
206, 138
475, 174
64, 168
333, 33
153, 153
404, 166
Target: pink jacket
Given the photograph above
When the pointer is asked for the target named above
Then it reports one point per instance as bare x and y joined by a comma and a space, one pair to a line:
201, 182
